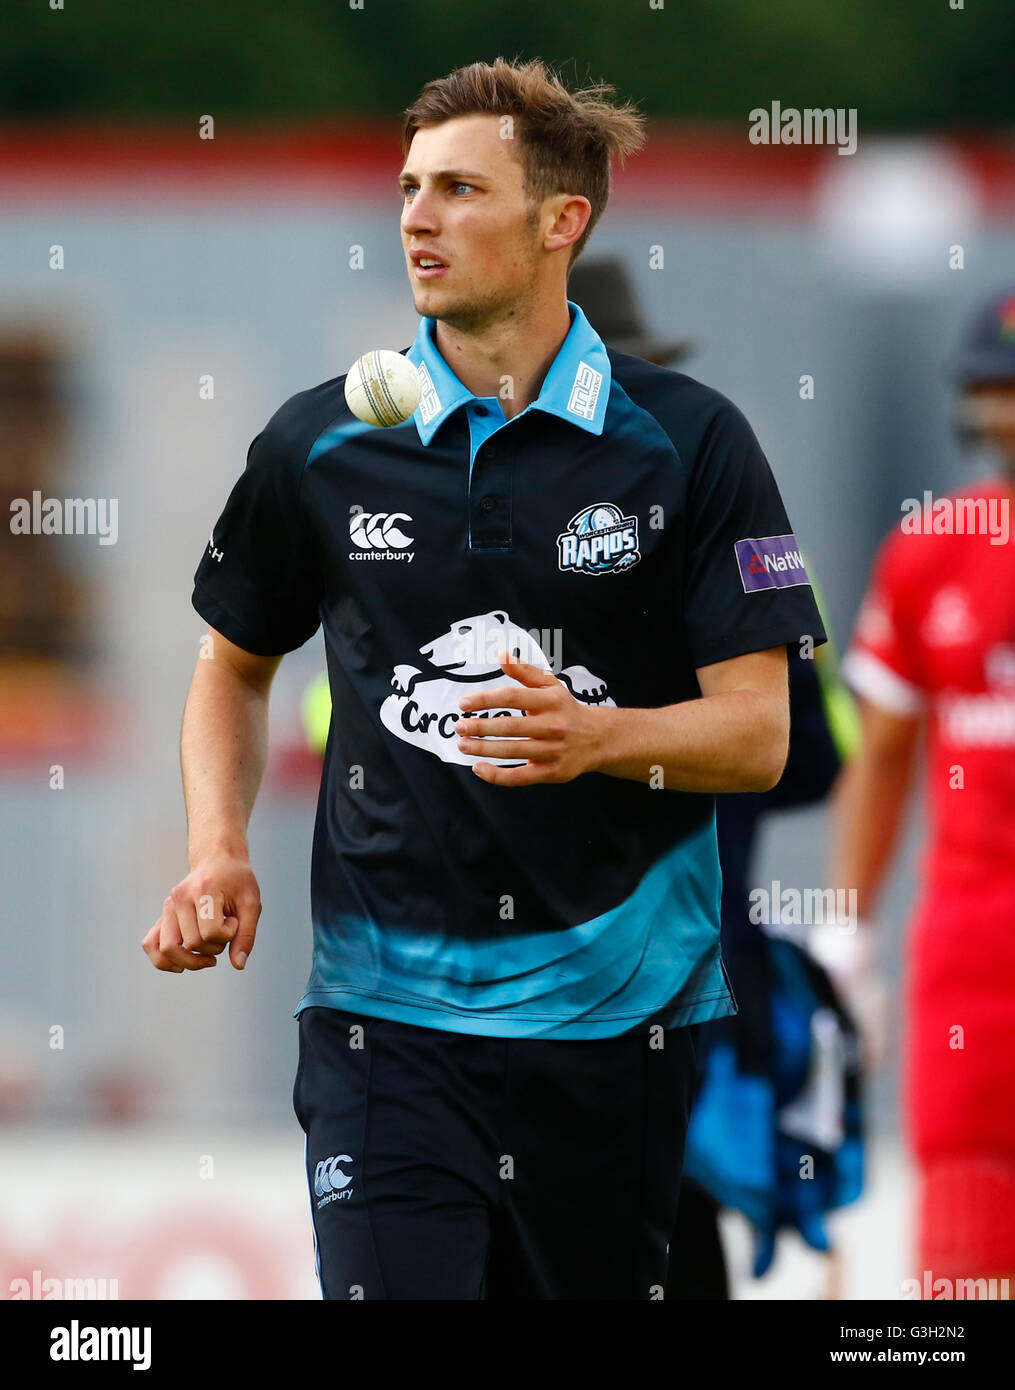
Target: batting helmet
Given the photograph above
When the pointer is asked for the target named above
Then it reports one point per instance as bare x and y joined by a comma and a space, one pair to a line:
987, 352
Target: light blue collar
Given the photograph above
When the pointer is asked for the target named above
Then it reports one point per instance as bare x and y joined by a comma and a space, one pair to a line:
576, 388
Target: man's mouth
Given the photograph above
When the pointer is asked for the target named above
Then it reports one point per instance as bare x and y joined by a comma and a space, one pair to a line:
428, 267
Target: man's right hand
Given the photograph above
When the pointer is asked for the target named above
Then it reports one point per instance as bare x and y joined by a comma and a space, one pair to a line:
216, 905
850, 962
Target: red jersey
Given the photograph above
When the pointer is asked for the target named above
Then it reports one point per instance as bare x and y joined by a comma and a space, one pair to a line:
936, 634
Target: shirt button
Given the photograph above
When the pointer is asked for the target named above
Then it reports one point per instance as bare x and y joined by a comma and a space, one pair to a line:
479, 410
489, 451
488, 503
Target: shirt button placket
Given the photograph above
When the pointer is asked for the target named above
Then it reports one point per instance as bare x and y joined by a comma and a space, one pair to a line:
489, 498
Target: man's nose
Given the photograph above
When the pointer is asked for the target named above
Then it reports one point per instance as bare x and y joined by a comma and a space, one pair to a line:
418, 215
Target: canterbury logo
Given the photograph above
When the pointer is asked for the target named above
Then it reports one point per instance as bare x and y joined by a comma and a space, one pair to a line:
328, 1177
379, 531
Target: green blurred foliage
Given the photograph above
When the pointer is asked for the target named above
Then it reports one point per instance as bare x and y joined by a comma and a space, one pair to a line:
904, 64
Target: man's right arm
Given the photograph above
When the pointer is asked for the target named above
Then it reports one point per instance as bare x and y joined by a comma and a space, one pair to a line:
223, 750
869, 804
871, 796
224, 745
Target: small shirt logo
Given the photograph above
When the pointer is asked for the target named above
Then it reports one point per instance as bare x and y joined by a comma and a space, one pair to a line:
599, 540
380, 535
950, 620
429, 401
770, 562
585, 391
330, 1183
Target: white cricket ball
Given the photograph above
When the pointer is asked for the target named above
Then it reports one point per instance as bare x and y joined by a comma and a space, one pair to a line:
382, 388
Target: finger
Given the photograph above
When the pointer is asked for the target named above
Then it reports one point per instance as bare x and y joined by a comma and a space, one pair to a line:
150, 946
188, 960
510, 748
248, 910
200, 918
172, 945
162, 962
212, 922
186, 917
524, 776
525, 672
509, 697
166, 931
508, 726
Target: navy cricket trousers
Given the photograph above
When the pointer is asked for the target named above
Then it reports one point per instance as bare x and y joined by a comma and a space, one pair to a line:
452, 1166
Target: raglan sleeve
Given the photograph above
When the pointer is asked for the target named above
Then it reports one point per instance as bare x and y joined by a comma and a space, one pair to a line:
746, 586
883, 663
258, 581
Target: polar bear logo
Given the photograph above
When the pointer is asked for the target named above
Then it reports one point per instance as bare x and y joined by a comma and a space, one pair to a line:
423, 706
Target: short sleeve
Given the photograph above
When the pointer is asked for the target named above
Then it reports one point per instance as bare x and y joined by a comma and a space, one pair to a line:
257, 582
883, 661
746, 586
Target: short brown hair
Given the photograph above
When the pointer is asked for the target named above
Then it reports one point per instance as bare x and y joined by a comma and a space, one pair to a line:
567, 139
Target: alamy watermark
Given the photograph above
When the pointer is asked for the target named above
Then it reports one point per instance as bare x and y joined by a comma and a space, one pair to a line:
78, 1343
957, 516
476, 645
788, 125
967, 1290
780, 907
41, 1286
66, 516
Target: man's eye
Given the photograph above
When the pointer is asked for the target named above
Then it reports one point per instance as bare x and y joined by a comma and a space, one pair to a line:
409, 188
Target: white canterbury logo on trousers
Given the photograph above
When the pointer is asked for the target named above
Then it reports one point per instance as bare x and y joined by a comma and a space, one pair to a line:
330, 1183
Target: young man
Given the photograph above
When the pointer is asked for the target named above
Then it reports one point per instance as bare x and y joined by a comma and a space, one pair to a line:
516, 924
934, 654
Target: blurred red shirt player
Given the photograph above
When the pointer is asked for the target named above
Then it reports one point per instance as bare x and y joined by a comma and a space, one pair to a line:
934, 655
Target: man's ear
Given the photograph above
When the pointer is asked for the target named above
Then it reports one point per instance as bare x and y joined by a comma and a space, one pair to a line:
571, 213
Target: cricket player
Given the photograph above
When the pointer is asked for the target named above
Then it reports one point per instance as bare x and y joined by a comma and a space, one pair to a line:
933, 660
556, 603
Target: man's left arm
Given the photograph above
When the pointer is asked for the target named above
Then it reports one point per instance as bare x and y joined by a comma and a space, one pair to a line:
734, 738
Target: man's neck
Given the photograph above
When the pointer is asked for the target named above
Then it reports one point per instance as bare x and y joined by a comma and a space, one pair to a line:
508, 359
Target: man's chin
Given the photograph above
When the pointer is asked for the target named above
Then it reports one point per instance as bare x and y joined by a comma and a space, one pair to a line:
463, 314
430, 303
449, 311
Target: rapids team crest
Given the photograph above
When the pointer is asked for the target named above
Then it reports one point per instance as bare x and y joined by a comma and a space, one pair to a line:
599, 540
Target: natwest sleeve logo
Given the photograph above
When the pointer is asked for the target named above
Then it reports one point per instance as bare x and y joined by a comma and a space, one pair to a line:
770, 562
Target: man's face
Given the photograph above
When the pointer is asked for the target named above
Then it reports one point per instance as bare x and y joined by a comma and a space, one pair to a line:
989, 409
465, 205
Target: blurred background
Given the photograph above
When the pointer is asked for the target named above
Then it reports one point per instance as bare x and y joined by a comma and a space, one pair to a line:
162, 293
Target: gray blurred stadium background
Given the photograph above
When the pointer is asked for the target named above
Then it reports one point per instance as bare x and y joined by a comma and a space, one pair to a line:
231, 258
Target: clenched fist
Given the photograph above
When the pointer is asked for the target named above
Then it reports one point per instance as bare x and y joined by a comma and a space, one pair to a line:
215, 906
